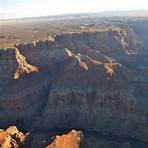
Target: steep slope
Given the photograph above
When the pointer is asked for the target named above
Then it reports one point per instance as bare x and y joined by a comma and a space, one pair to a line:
85, 80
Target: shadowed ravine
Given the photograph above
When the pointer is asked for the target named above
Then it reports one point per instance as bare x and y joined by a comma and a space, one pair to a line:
99, 139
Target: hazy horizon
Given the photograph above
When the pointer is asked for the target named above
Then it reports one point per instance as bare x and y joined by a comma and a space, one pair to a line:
10, 9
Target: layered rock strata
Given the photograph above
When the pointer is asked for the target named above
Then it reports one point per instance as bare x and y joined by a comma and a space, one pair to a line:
84, 80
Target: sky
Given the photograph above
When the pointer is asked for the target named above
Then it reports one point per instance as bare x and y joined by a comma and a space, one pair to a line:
29, 8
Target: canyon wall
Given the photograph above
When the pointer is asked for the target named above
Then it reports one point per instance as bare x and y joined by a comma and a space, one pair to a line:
88, 80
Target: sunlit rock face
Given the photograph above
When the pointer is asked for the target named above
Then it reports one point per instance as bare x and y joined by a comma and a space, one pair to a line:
71, 140
12, 138
89, 80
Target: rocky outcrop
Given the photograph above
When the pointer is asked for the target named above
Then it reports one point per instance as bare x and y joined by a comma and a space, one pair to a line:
14, 62
23, 67
71, 140
116, 42
12, 138
86, 80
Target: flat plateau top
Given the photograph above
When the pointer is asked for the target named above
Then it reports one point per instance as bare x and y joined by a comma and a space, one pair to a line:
32, 29
22, 30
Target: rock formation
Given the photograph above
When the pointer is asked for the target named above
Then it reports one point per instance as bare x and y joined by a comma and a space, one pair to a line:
12, 138
89, 80
71, 140
23, 67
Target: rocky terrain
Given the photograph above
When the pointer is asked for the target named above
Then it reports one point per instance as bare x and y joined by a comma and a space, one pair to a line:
94, 81
12, 138
71, 140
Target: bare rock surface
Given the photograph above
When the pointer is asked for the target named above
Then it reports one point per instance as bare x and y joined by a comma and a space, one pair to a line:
70, 140
23, 66
90, 80
12, 138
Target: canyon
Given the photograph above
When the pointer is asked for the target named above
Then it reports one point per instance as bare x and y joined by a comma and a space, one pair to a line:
93, 80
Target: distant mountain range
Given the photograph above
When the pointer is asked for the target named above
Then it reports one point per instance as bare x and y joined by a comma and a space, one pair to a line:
129, 13
114, 13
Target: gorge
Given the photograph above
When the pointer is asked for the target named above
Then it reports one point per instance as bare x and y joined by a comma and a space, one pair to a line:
95, 81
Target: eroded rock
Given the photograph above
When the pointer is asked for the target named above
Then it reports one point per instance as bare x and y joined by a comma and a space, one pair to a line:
23, 66
12, 138
71, 140
80, 80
